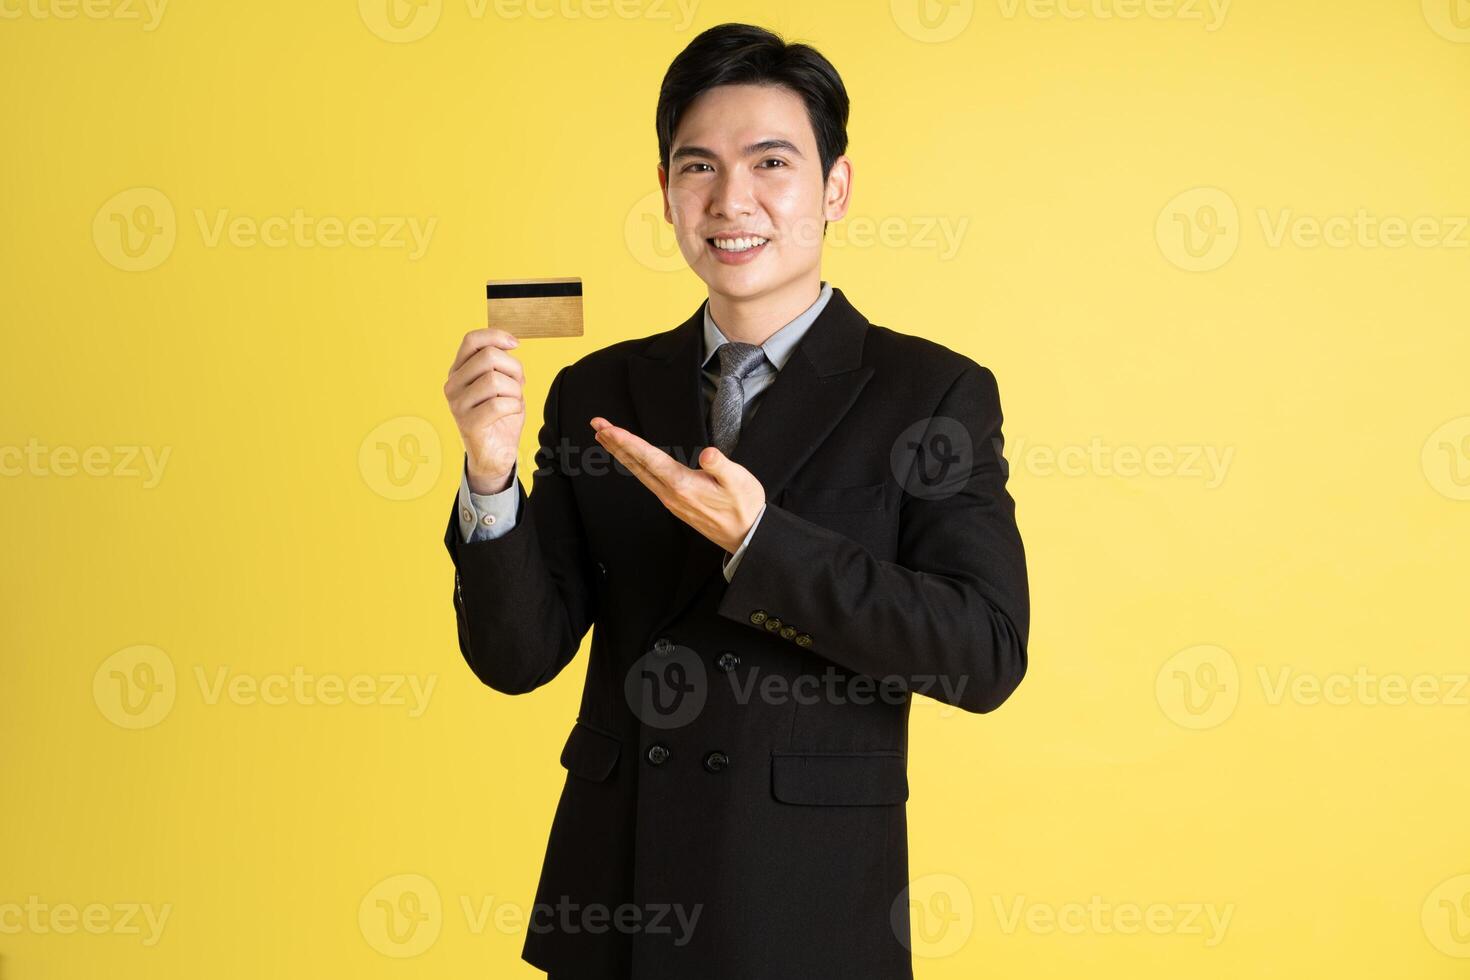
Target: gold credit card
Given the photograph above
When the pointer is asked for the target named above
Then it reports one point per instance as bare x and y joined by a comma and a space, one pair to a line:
536, 307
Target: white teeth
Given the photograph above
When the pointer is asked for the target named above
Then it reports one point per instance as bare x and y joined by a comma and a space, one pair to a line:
738, 244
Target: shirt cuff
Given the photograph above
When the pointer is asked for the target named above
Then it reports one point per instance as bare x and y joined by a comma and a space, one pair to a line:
740, 551
483, 516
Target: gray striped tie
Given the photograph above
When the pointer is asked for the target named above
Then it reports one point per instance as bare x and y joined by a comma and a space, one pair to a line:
736, 363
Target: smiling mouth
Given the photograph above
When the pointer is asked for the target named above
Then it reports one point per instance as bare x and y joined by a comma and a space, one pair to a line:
735, 246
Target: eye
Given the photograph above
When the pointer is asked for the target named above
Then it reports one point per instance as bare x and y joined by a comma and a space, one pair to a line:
775, 160
686, 169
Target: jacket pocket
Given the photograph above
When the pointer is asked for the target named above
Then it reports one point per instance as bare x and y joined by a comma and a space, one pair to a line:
839, 778
589, 753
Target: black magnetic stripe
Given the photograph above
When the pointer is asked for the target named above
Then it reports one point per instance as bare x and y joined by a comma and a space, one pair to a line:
529, 290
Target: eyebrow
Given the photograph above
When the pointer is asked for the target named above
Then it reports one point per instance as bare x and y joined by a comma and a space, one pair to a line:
764, 146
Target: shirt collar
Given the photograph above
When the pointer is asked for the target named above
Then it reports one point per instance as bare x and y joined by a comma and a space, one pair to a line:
779, 345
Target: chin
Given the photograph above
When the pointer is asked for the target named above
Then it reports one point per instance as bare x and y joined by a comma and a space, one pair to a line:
738, 283
742, 282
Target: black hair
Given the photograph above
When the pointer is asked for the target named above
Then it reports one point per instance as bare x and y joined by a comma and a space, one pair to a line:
743, 54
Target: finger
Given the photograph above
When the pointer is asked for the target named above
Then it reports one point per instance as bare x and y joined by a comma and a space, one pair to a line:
491, 411
717, 465
487, 386
620, 452
477, 340
654, 461
642, 474
488, 362
483, 361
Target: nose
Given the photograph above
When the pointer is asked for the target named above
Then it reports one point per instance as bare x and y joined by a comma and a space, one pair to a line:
732, 194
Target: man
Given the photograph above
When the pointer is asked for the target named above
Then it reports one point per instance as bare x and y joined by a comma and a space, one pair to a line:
791, 521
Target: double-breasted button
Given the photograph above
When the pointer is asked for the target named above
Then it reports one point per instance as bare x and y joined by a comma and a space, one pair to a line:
716, 761
728, 661
663, 646
787, 632
658, 753
758, 617
803, 639
773, 624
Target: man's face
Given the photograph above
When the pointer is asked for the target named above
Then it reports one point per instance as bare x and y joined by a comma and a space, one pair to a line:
715, 189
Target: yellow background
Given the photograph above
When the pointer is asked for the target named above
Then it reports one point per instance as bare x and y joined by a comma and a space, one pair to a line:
1150, 760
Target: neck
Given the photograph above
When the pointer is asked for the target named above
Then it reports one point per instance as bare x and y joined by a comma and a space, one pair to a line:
752, 319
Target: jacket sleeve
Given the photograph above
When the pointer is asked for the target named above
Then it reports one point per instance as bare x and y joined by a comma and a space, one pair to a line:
525, 599
949, 617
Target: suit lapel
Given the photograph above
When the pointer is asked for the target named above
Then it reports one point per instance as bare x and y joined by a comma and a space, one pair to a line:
795, 414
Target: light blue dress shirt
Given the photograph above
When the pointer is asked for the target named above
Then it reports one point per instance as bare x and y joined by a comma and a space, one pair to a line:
485, 516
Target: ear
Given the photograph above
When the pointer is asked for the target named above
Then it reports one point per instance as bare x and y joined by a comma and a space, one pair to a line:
839, 189
663, 185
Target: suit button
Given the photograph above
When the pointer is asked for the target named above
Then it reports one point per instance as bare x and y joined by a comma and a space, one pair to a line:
773, 624
758, 617
716, 761
803, 639
728, 661
787, 632
602, 569
663, 646
658, 754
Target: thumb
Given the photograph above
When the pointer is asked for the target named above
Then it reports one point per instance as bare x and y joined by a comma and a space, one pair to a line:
714, 462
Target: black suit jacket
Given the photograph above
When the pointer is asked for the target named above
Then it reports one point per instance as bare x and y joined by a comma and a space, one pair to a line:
740, 751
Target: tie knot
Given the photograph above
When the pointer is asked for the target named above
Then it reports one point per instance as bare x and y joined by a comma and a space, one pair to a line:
738, 360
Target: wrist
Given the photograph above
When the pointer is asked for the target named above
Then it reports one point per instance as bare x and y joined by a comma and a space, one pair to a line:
487, 483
